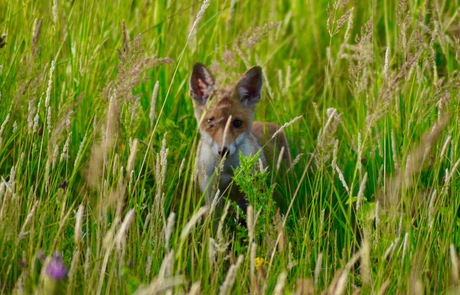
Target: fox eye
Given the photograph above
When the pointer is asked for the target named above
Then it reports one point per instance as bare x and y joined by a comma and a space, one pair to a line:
237, 123
210, 122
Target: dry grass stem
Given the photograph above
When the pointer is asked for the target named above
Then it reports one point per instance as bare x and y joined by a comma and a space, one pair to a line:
153, 103
326, 139
167, 266
169, 228
454, 262
181, 168
227, 126
54, 10
113, 115
132, 156
227, 285
215, 201
252, 267
391, 249
451, 173
414, 163
280, 283
365, 265
362, 187
431, 209
230, 13
386, 67
161, 164
198, 18
65, 149
318, 268
50, 84
191, 223
29, 218
339, 283
394, 151
120, 237
383, 288
78, 235
304, 287
405, 247
250, 224
285, 125
280, 159
445, 146
342, 179
195, 289
160, 286
220, 227
3, 128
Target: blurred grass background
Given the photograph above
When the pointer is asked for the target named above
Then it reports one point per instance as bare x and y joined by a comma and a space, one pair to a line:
98, 166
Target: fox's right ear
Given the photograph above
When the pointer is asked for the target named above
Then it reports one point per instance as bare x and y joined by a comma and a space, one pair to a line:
201, 83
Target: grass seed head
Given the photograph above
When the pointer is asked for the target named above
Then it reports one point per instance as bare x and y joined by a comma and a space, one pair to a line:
169, 228
132, 156
227, 285
78, 235
198, 18
153, 103
318, 268
280, 283
192, 222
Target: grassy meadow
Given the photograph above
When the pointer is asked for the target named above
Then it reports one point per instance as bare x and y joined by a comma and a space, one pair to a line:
98, 141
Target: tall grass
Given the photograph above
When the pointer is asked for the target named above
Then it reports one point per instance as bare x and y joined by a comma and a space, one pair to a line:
98, 140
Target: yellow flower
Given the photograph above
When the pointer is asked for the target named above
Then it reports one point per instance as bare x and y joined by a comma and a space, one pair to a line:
260, 262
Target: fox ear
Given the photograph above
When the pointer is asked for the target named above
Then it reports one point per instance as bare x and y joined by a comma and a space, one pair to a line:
250, 86
201, 83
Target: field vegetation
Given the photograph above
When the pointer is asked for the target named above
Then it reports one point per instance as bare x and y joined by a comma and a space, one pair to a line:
98, 141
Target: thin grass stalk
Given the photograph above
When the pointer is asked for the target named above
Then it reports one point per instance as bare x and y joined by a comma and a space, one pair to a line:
192, 222
280, 284
227, 285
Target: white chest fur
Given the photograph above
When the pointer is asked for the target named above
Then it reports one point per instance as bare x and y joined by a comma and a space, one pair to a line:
211, 167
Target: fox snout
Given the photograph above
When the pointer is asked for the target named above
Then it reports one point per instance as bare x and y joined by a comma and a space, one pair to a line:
222, 150
225, 150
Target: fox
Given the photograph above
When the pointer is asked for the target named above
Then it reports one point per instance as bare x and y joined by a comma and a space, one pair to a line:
225, 118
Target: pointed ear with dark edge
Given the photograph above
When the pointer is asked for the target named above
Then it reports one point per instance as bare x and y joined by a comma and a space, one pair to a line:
249, 87
201, 83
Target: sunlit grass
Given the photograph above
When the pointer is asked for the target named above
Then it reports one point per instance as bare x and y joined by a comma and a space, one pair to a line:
98, 141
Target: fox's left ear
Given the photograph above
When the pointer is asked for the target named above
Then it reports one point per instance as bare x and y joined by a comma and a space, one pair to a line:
249, 87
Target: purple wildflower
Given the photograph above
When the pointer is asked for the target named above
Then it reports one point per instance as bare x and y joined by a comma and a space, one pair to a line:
56, 268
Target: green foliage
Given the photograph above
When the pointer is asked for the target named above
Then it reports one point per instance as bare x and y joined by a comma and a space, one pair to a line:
253, 182
98, 141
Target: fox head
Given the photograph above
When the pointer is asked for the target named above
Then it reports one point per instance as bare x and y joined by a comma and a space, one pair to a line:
225, 116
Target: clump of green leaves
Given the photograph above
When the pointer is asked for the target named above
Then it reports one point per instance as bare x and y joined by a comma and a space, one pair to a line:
253, 181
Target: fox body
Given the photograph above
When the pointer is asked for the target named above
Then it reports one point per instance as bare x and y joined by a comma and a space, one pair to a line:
225, 121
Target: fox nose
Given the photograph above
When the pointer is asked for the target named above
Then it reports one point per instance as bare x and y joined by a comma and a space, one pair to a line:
223, 151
